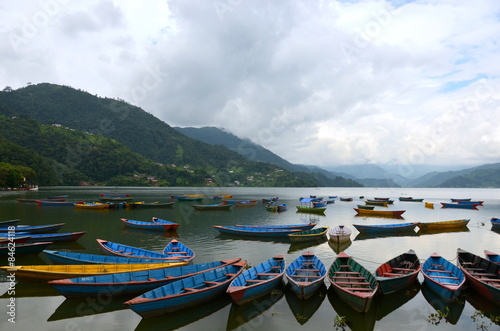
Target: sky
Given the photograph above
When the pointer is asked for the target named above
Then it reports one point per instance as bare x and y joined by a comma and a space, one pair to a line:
326, 83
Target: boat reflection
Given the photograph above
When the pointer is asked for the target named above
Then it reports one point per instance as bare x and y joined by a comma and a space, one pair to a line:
303, 310
484, 307
438, 231
240, 315
164, 234
294, 247
71, 308
355, 320
449, 310
339, 246
178, 319
29, 289
279, 240
365, 236
388, 303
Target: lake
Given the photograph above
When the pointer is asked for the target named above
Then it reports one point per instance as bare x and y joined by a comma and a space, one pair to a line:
40, 307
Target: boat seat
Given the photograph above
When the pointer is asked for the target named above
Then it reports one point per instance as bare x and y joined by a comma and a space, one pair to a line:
444, 277
210, 282
120, 251
230, 275
360, 289
353, 283
402, 269
480, 274
267, 274
434, 270
344, 266
129, 253
474, 269
438, 265
391, 274
177, 252
308, 263
347, 273
348, 277
276, 267
152, 279
311, 270
190, 289
255, 280
304, 276
496, 280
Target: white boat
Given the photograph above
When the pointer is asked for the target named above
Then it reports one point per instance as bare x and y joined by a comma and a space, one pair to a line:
340, 233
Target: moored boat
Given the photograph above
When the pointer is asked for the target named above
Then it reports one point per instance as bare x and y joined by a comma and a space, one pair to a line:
153, 226
399, 272
309, 235
257, 281
429, 226
216, 206
117, 249
479, 202
135, 282
340, 234
257, 232
92, 205
178, 250
307, 206
114, 195
495, 224
58, 203
411, 199
443, 277
23, 249
305, 275
386, 228
63, 257
9, 222
380, 213
369, 207
491, 256
44, 237
155, 204
459, 205
187, 292
482, 275
354, 284
188, 197
382, 203
429, 205
32, 229
345, 199
302, 227
246, 203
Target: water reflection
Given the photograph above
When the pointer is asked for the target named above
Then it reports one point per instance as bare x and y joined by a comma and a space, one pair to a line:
164, 234
71, 308
240, 315
365, 236
28, 290
282, 240
388, 303
347, 315
449, 310
294, 247
178, 319
339, 246
484, 308
303, 310
437, 231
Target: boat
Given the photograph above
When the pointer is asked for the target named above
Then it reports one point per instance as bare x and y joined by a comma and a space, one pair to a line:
128, 283
429, 205
21, 200
246, 203
479, 202
257, 232
32, 229
257, 281
17, 240
114, 195
307, 206
345, 199
443, 277
190, 197
302, 227
493, 257
266, 200
353, 283
458, 200
340, 234
153, 226
380, 213
9, 222
271, 206
369, 207
459, 205
115, 199
22, 249
219, 197
63, 257
386, 228
92, 205
381, 203
398, 273
495, 224
44, 237
482, 275
173, 226
305, 275
429, 226
58, 203
155, 204
116, 249
216, 206
177, 249
44, 273
410, 199
309, 235
187, 292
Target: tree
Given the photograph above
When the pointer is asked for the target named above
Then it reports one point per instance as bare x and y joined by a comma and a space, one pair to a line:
10, 176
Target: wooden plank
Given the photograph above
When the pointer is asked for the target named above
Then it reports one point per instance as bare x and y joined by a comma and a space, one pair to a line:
311, 270
255, 280
353, 283
444, 277
304, 276
356, 289
267, 274
349, 277
347, 272
444, 271
210, 282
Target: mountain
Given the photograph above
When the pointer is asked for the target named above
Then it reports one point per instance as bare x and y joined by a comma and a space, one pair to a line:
372, 175
482, 176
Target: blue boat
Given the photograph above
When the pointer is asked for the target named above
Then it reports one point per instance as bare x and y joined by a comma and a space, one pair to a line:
117, 249
127, 283
386, 228
255, 232
479, 202
58, 203
45, 237
187, 292
493, 257
460, 200
24, 249
257, 281
443, 277
159, 225
177, 249
495, 224
9, 222
301, 227
305, 275
459, 205
62, 257
32, 229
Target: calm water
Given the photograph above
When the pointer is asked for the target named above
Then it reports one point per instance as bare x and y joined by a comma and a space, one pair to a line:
40, 307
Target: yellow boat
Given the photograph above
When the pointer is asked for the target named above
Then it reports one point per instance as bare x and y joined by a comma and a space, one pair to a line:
427, 226
429, 205
44, 273
95, 205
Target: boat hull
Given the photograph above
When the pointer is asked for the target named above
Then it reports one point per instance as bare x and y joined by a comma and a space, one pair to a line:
305, 275
398, 273
380, 213
443, 277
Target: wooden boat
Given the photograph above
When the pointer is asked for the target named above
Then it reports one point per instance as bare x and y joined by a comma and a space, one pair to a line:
495, 224
257, 281
309, 235
307, 206
257, 232
301, 227
429, 205
20, 200
135, 282
410, 199
276, 208
218, 197
482, 275
493, 257
187, 292
33, 229
190, 197
398, 273
345, 199
92, 205
459, 205
479, 202
63, 257
173, 226
386, 228
353, 283
246, 203
380, 213
155, 204
22, 249
177, 249
44, 237
48, 272
114, 195
57, 197
443, 277
381, 203
58, 203
457, 200
340, 234
369, 207
216, 206
306, 275
265, 200
116, 249
428, 226
9, 222
115, 199
152, 226
17, 240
